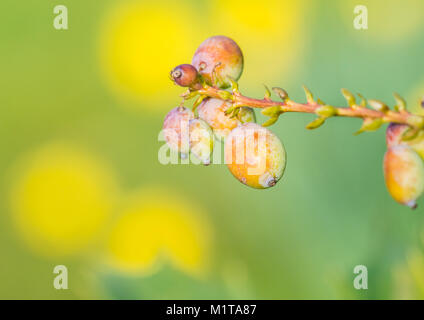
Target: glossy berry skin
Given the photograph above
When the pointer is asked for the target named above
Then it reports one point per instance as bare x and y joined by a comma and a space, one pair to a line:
185, 75
223, 51
213, 112
394, 137
404, 174
201, 140
255, 156
176, 130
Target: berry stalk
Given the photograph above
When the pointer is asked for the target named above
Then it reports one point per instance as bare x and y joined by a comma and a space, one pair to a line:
373, 118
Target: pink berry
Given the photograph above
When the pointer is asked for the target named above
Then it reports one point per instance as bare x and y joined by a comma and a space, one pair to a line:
221, 54
213, 112
176, 129
255, 156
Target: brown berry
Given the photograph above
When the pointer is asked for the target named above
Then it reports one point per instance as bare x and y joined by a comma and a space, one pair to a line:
185, 75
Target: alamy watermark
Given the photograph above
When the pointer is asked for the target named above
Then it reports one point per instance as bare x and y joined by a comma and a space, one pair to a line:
246, 147
360, 22
60, 21
60, 281
360, 281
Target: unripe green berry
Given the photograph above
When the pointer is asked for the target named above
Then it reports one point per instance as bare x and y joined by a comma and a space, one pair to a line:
185, 75
176, 129
255, 156
201, 140
221, 54
404, 174
213, 112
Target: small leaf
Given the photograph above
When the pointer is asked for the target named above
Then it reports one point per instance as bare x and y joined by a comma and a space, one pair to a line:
267, 93
416, 121
363, 103
270, 122
230, 110
318, 122
309, 95
225, 95
235, 113
350, 98
271, 111
326, 111
378, 105
400, 102
281, 93
370, 125
234, 84
319, 101
410, 134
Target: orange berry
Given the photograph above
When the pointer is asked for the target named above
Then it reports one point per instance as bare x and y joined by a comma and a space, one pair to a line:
255, 156
404, 174
221, 54
213, 112
176, 129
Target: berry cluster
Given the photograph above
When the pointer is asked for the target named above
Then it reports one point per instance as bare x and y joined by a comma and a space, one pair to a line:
253, 154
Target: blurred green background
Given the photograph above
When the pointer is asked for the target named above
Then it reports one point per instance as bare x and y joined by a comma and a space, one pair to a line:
81, 111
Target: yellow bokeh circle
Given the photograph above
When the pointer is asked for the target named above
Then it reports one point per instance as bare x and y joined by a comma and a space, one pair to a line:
61, 199
141, 43
156, 226
269, 32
